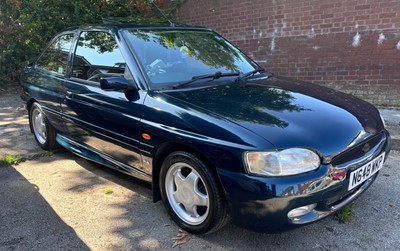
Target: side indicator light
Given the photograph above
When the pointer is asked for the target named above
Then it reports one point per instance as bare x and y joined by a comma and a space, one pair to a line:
146, 136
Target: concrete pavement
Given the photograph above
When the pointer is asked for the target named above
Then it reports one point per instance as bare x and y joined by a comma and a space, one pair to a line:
392, 120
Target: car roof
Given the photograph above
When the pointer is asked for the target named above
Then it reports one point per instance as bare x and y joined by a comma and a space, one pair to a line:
118, 26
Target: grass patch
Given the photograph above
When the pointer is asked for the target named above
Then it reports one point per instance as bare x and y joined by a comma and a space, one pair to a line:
11, 160
108, 190
15, 160
345, 215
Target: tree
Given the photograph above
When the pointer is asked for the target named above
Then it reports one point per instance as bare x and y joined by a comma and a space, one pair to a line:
26, 26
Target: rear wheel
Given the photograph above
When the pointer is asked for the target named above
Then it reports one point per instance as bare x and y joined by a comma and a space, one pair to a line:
44, 132
191, 194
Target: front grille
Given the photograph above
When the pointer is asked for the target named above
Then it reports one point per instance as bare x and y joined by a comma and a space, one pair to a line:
356, 151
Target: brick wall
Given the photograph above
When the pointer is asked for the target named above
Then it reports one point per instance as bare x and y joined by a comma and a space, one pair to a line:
351, 45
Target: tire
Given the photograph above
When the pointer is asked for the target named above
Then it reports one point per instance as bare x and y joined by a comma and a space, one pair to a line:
44, 132
191, 194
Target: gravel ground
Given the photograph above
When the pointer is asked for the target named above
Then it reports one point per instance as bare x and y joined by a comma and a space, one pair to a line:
60, 203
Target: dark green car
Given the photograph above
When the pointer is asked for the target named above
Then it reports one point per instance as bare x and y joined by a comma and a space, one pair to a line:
215, 134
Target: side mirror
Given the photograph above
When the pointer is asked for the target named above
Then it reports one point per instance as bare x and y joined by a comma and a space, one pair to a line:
114, 84
31, 62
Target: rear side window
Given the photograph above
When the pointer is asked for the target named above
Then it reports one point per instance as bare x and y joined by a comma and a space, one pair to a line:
55, 58
97, 55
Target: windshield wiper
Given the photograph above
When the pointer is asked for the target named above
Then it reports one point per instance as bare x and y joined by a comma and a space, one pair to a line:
248, 74
216, 75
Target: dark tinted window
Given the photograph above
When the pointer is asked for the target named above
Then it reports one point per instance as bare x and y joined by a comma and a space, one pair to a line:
97, 55
55, 58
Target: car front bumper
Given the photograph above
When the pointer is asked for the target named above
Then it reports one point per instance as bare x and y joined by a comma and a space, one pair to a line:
262, 204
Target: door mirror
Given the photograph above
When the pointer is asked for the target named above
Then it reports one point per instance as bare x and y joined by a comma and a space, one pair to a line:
115, 84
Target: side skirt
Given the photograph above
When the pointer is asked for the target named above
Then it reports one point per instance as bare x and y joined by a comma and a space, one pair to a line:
93, 155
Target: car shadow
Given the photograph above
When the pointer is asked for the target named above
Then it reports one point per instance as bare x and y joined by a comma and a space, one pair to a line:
129, 182
28, 222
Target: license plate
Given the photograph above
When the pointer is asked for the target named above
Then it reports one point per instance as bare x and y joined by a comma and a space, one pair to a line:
366, 171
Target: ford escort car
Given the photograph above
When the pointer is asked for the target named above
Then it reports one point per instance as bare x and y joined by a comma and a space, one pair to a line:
215, 134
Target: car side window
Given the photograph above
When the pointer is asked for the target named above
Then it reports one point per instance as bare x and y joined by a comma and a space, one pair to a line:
97, 55
55, 58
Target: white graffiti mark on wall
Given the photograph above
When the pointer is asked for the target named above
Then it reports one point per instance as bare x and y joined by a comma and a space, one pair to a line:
312, 34
356, 40
381, 38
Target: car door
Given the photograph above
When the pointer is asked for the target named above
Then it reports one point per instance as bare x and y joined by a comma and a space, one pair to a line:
45, 78
107, 122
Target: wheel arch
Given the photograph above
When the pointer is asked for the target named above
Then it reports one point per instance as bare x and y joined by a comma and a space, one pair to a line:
162, 152
29, 104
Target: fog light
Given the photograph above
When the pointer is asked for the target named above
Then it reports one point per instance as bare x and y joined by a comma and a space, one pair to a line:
300, 211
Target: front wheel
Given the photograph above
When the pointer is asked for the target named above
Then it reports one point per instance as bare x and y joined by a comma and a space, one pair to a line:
191, 194
44, 132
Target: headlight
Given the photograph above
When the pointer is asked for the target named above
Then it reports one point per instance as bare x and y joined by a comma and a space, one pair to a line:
281, 163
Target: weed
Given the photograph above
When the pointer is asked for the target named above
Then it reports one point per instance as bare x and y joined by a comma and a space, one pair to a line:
108, 190
11, 160
345, 214
46, 154
15, 160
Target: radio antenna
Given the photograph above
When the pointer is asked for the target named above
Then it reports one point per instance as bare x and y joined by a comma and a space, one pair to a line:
162, 13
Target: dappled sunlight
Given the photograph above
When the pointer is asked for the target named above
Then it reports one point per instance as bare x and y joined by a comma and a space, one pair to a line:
126, 209
75, 188
13, 117
15, 135
15, 112
80, 181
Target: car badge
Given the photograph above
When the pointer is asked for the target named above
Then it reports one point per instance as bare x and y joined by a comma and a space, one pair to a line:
366, 148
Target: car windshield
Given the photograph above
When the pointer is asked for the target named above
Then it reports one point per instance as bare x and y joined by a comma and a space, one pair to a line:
170, 57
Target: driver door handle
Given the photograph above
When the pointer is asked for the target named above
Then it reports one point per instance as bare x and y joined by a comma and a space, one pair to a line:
69, 95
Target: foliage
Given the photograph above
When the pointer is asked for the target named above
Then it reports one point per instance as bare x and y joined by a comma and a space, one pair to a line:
26, 26
204, 46
345, 214
15, 160
11, 160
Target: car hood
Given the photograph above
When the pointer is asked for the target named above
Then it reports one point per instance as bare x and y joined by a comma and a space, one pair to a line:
290, 113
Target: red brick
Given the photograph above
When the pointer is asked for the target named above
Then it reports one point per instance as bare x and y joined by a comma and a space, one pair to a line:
322, 26
386, 15
363, 17
362, 7
326, 16
333, 30
384, 26
349, 14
